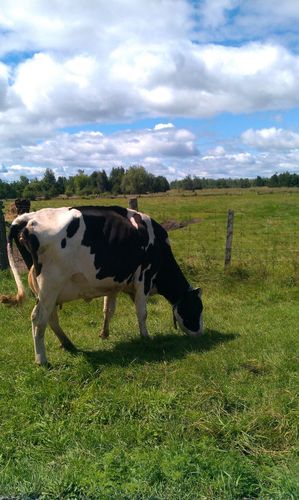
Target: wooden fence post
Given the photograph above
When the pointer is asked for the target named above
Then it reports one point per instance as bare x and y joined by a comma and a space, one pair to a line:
133, 203
3, 251
229, 238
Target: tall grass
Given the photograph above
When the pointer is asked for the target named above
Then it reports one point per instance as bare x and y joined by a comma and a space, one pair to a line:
173, 417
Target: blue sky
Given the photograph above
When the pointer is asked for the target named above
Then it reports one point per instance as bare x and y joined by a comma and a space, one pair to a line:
206, 88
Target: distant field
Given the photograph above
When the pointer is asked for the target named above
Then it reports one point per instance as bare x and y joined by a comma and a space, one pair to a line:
172, 418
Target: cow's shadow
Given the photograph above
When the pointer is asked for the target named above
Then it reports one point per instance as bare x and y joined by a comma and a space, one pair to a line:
159, 348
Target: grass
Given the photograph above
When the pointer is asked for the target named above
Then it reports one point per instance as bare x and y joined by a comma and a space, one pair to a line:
173, 417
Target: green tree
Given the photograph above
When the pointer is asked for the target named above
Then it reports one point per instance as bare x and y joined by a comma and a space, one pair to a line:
136, 180
33, 190
61, 185
20, 185
160, 184
115, 179
259, 181
80, 182
102, 181
187, 183
48, 184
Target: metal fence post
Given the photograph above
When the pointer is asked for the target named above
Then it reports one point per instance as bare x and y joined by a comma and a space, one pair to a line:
229, 238
3, 250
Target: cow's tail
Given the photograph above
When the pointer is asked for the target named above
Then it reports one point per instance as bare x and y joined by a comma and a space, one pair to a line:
20, 296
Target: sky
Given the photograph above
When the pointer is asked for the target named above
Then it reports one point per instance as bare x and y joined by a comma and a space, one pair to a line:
206, 88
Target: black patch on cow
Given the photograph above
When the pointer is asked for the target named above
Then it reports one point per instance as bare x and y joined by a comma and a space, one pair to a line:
148, 275
142, 225
31, 243
117, 246
14, 235
190, 309
73, 227
63, 243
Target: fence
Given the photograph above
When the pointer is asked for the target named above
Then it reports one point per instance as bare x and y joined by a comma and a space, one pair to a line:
267, 242
219, 238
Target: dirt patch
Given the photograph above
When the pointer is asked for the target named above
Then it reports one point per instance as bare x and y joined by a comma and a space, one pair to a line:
255, 368
172, 224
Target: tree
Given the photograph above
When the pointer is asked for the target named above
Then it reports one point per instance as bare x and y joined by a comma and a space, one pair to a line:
48, 184
20, 185
197, 183
259, 181
80, 182
136, 180
33, 190
61, 185
160, 184
273, 181
187, 183
102, 181
115, 179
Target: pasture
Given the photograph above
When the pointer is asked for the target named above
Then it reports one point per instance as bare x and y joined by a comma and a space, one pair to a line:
173, 417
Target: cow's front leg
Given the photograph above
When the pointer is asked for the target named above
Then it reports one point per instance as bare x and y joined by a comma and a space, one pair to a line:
141, 311
55, 326
108, 310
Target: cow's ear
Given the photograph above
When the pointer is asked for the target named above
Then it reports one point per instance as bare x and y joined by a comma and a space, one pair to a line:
199, 291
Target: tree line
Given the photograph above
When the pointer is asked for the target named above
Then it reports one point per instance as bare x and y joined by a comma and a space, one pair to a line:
135, 180
285, 179
120, 181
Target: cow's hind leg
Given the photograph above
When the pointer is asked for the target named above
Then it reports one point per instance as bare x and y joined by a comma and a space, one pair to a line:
108, 310
65, 342
40, 317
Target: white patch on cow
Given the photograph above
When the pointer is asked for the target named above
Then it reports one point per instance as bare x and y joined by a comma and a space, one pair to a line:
167, 241
51, 224
150, 228
148, 223
130, 215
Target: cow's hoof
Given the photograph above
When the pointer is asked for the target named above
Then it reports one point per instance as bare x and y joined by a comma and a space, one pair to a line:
46, 365
104, 335
147, 338
68, 347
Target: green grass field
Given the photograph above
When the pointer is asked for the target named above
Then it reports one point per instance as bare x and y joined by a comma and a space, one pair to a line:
174, 417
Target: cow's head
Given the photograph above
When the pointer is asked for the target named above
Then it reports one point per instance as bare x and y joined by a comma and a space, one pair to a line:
188, 312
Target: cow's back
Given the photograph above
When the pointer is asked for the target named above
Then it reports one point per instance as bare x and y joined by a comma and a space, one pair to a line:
116, 242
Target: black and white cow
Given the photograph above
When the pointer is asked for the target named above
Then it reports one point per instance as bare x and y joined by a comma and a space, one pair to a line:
88, 252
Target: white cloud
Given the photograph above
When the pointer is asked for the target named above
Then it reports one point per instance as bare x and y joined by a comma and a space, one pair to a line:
271, 138
185, 80
153, 148
166, 151
160, 126
120, 61
69, 27
90, 65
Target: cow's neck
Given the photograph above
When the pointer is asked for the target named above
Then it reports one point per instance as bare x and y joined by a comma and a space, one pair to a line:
171, 282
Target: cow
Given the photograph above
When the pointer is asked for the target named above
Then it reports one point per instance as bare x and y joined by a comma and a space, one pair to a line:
93, 251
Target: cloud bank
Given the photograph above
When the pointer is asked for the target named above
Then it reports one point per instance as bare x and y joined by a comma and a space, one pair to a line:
67, 64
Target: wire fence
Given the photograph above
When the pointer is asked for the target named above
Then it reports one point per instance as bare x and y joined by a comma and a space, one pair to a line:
256, 239
266, 243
